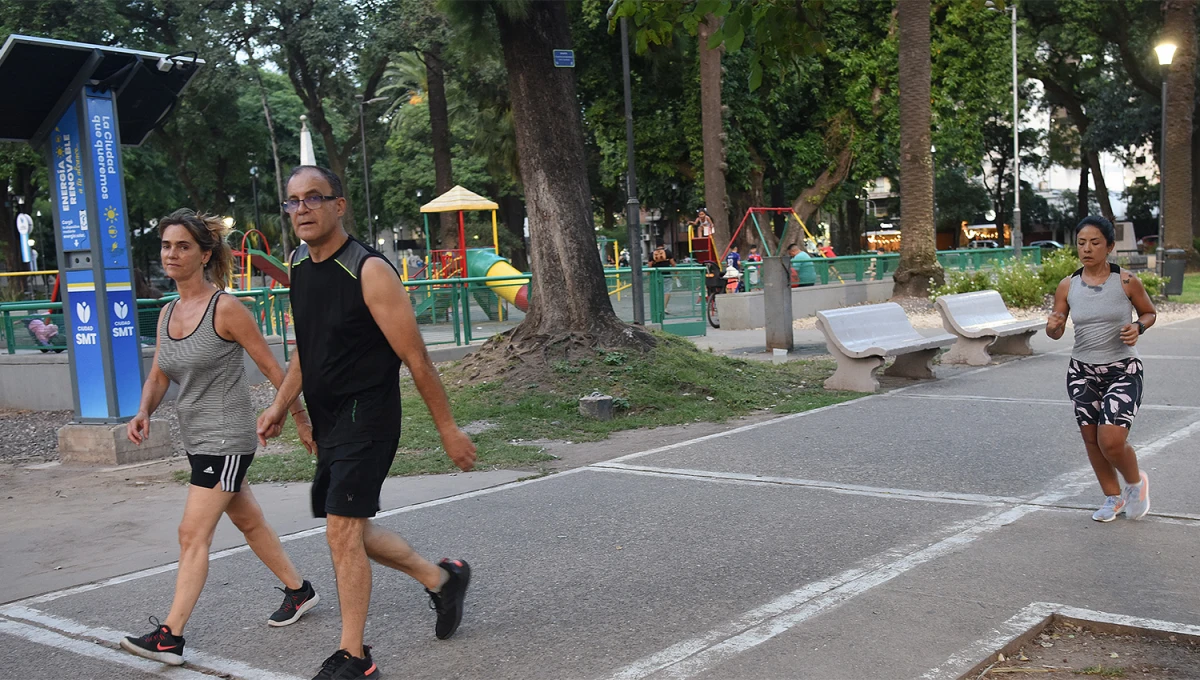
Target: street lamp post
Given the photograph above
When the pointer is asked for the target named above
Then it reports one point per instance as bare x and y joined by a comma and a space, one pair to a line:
1016, 120
1016, 227
1166, 53
362, 127
254, 192
632, 208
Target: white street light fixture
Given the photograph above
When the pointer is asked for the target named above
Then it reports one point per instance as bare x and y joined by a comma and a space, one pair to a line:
1166, 53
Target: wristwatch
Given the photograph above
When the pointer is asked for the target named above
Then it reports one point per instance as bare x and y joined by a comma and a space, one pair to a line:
1141, 327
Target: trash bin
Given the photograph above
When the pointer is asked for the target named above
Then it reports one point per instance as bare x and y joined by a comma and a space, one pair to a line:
1173, 268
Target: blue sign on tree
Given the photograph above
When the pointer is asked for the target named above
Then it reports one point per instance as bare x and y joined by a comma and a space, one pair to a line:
564, 58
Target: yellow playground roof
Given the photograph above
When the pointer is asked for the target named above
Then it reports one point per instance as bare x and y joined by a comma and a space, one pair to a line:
457, 199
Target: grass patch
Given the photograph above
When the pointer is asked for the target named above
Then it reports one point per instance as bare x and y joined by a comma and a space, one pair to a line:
1104, 671
1191, 290
673, 384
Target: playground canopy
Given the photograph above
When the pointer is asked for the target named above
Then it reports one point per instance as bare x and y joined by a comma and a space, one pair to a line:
458, 199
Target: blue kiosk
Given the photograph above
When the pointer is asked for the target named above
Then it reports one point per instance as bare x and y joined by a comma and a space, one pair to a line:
79, 104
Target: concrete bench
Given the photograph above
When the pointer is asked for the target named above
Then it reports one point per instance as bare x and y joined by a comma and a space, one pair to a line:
984, 327
860, 337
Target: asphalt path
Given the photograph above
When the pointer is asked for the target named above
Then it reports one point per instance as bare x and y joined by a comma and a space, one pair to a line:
902, 535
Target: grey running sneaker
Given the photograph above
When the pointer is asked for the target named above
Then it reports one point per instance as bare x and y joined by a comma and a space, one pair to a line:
1137, 499
1113, 505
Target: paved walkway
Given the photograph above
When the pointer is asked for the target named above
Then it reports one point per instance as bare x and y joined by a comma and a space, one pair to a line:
901, 535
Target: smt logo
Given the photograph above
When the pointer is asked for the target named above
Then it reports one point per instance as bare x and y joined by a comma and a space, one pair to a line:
83, 312
120, 309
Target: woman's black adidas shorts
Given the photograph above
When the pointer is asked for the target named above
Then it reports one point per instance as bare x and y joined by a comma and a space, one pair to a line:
220, 472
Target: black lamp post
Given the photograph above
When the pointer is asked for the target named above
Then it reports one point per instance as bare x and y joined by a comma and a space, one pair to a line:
254, 192
362, 127
632, 208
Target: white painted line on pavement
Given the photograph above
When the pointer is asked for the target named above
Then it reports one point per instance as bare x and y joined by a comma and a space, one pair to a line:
1025, 400
1030, 616
194, 657
92, 650
835, 487
692, 657
1170, 357
965, 659
316, 531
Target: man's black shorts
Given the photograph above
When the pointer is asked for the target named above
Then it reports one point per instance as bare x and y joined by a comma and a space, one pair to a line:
350, 477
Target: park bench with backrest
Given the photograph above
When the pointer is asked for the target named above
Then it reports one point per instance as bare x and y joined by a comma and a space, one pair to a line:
861, 337
984, 327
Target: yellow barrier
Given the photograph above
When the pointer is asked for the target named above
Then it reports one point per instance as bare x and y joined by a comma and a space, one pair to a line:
37, 273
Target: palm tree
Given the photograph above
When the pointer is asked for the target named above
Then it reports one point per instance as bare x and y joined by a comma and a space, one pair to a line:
420, 78
918, 268
711, 129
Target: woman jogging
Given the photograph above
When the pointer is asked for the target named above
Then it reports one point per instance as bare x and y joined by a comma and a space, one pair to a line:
1104, 378
202, 338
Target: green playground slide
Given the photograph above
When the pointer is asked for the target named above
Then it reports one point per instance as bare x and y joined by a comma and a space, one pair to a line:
269, 266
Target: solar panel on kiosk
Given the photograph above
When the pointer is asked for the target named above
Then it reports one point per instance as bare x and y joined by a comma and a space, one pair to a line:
36, 72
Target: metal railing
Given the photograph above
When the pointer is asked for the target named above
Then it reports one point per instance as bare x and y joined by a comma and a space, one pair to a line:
449, 311
877, 266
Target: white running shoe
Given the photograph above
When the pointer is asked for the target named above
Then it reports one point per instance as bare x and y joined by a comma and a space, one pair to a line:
1113, 505
1137, 498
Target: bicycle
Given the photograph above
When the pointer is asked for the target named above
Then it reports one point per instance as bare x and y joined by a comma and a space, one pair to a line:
715, 283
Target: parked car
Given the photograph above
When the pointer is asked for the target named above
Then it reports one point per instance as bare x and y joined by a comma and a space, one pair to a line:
1046, 245
983, 243
1147, 244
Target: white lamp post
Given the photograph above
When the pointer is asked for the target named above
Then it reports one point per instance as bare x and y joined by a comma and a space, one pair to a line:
1166, 52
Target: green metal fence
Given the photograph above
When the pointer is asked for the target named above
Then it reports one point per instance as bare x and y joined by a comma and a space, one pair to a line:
877, 266
448, 311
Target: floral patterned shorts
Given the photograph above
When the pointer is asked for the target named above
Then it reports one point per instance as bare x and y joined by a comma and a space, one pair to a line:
1105, 394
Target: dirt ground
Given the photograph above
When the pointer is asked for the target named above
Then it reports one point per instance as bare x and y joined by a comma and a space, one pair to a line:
1065, 650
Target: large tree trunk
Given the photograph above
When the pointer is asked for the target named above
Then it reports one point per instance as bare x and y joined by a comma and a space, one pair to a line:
1081, 208
712, 132
809, 201
848, 241
1195, 181
568, 303
439, 125
337, 163
918, 269
1179, 25
1093, 160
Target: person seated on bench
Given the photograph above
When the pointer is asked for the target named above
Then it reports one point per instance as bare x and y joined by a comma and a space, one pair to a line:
802, 266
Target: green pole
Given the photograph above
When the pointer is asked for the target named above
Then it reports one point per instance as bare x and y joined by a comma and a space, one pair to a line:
763, 241
428, 249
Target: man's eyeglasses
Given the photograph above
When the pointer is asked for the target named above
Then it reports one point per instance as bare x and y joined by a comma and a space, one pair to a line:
312, 202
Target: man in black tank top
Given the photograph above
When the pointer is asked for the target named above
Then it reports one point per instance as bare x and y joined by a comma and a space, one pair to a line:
354, 327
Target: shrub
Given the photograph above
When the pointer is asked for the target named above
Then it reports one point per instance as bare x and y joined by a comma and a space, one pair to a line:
1020, 284
1057, 266
962, 282
1153, 283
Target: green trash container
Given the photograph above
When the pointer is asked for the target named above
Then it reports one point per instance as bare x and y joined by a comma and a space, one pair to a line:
1173, 268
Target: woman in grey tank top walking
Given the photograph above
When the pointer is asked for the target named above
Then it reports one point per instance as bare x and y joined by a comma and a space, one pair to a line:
1104, 377
202, 339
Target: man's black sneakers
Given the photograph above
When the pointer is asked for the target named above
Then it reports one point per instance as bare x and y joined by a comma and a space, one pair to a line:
449, 602
295, 603
342, 666
159, 645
